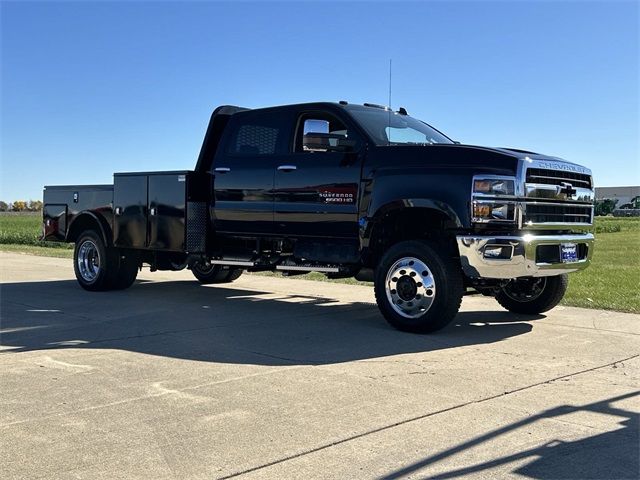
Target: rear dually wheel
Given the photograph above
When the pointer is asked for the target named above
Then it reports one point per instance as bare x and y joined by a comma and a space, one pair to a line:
99, 267
94, 264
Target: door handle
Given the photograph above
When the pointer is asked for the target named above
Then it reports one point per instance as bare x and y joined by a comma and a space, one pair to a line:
222, 169
287, 168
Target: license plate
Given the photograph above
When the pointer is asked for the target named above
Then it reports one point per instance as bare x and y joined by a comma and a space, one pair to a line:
568, 252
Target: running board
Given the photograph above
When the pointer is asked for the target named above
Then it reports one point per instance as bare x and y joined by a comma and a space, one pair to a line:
291, 268
234, 263
298, 268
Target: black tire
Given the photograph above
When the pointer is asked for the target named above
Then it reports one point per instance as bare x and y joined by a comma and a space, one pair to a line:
234, 274
127, 270
95, 265
443, 274
533, 295
209, 274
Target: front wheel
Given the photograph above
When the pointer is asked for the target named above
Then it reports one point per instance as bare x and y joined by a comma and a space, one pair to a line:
533, 295
418, 289
207, 273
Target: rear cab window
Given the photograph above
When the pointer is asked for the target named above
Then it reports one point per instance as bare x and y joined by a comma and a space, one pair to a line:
257, 134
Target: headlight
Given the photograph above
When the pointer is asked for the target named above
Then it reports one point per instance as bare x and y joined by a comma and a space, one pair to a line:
490, 211
494, 186
493, 199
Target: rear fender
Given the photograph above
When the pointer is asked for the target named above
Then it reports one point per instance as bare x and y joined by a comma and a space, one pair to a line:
88, 220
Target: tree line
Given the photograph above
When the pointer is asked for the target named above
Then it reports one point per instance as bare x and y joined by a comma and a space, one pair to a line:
21, 206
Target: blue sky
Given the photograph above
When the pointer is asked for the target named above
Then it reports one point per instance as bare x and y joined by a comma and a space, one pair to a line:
89, 88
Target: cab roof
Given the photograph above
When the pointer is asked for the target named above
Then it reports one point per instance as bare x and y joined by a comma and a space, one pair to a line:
230, 109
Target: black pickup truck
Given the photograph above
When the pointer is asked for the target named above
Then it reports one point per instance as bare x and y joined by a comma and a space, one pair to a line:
350, 191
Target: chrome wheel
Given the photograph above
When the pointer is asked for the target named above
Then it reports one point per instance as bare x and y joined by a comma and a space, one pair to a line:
525, 289
88, 261
410, 287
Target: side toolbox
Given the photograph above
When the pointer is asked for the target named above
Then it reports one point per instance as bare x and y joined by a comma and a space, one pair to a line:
161, 211
63, 204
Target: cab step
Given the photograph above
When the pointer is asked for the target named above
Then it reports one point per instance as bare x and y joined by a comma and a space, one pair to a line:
308, 268
233, 263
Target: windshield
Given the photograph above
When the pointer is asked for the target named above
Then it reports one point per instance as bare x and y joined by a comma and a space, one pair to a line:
389, 128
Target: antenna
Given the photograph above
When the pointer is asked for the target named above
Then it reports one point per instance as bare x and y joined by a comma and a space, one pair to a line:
390, 84
389, 105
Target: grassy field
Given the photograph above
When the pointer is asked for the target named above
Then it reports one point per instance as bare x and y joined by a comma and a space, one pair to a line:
612, 282
24, 229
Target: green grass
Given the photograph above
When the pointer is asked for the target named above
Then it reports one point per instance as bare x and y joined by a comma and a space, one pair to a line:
613, 224
612, 282
37, 250
24, 229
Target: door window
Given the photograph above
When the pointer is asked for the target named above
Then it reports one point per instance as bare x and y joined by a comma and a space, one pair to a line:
320, 132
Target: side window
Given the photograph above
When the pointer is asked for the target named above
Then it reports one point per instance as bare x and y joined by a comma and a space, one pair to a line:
320, 132
254, 135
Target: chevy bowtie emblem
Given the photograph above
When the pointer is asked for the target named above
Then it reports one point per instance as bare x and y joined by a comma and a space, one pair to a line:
567, 189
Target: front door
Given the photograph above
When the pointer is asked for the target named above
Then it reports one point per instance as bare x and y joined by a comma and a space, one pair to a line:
316, 188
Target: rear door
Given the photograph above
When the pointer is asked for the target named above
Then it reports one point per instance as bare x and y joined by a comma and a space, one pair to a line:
255, 142
316, 188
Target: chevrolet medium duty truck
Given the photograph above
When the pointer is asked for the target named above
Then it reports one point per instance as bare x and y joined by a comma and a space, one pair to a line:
350, 191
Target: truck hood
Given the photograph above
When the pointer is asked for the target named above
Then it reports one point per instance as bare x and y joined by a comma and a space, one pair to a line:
479, 156
540, 160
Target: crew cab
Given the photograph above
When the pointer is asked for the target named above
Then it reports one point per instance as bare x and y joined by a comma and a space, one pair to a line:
350, 191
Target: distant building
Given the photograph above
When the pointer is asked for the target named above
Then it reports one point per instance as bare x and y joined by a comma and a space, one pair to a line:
622, 194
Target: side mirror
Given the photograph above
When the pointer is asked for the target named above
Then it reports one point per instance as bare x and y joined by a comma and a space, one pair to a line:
327, 142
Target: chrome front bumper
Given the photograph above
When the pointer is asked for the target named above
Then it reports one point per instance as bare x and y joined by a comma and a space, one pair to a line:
521, 256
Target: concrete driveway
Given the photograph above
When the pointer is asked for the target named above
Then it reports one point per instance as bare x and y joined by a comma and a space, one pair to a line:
284, 378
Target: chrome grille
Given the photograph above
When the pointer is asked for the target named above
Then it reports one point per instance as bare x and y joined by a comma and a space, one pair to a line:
557, 177
557, 213
557, 198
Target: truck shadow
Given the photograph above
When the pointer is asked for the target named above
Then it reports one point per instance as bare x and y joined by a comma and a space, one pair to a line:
606, 454
182, 319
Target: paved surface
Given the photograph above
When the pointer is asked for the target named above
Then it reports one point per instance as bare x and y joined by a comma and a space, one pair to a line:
284, 378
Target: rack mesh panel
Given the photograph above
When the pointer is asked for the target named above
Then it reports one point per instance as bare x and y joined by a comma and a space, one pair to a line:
196, 227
